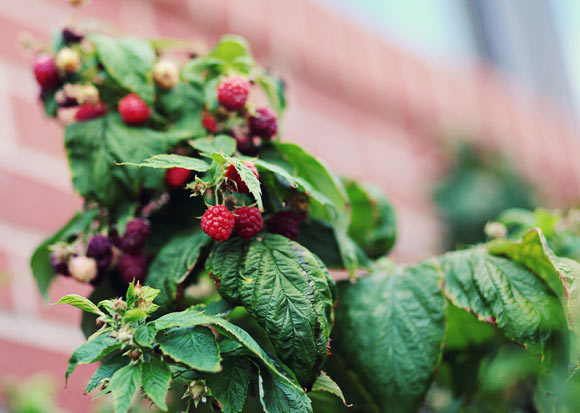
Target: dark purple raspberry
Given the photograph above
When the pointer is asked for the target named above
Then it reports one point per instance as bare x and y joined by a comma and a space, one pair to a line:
136, 234
249, 221
264, 124
101, 249
286, 223
246, 145
59, 264
133, 267
69, 36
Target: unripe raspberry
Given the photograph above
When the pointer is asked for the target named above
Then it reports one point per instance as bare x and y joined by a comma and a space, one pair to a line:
166, 74
101, 249
264, 124
249, 221
133, 267
133, 109
209, 122
237, 184
46, 72
68, 60
83, 269
177, 177
286, 223
136, 234
218, 222
233, 93
88, 94
88, 112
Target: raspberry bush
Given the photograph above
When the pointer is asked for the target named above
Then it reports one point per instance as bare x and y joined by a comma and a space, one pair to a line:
187, 184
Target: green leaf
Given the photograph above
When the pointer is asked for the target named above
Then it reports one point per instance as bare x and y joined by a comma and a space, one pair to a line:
165, 161
245, 173
230, 386
182, 106
221, 143
195, 347
286, 289
124, 384
145, 335
173, 263
40, 261
92, 351
129, 62
275, 90
156, 377
389, 329
234, 51
277, 396
326, 384
80, 302
106, 371
506, 294
134, 314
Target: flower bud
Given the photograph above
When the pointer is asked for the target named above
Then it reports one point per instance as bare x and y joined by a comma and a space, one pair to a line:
495, 230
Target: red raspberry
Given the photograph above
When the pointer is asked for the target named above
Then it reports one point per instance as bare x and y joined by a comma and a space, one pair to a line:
46, 72
133, 109
133, 267
249, 221
286, 223
177, 177
136, 234
246, 145
236, 180
88, 111
100, 248
264, 124
218, 222
209, 122
233, 92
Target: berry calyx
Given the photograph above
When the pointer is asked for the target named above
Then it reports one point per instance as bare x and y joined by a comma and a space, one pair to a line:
166, 74
209, 122
232, 93
218, 222
88, 112
177, 177
249, 221
136, 234
133, 267
68, 60
83, 269
133, 109
101, 249
264, 124
46, 72
286, 223
237, 184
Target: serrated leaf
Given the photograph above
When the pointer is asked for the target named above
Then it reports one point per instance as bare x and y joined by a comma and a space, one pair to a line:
156, 377
245, 173
275, 90
195, 347
286, 289
80, 302
92, 351
325, 383
165, 161
40, 261
134, 314
389, 329
234, 51
230, 386
124, 384
106, 371
145, 335
182, 106
221, 143
277, 396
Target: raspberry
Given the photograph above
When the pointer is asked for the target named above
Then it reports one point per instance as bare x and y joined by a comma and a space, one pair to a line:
177, 177
209, 122
249, 221
246, 145
59, 264
68, 60
83, 269
264, 124
136, 235
166, 74
100, 248
46, 72
133, 109
88, 112
286, 223
69, 36
238, 185
218, 222
233, 92
133, 267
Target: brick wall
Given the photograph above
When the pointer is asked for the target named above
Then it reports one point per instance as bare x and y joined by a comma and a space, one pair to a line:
370, 109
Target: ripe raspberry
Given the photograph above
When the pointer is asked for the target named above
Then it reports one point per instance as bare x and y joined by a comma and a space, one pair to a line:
69, 36
133, 109
46, 72
166, 74
177, 177
88, 112
59, 264
136, 235
246, 144
133, 267
218, 222
286, 223
83, 269
100, 248
249, 221
209, 122
264, 124
68, 60
233, 93
237, 184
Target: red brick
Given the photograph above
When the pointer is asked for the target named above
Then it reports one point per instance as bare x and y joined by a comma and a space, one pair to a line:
66, 313
5, 281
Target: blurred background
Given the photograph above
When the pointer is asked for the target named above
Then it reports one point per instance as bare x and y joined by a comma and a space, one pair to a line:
458, 109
